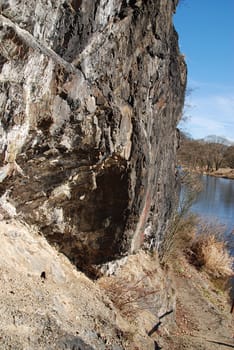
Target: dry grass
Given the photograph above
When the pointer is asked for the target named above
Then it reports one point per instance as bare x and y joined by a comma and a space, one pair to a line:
209, 251
129, 296
179, 237
181, 230
203, 243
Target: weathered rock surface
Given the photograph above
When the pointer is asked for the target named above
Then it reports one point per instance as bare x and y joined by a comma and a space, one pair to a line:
90, 96
91, 92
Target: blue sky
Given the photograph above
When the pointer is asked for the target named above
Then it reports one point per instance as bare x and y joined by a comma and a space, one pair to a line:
206, 37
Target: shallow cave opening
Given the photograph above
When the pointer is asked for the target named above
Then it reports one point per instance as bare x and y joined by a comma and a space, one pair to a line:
100, 219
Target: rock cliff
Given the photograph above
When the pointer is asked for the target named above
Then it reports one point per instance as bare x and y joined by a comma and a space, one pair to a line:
90, 96
91, 92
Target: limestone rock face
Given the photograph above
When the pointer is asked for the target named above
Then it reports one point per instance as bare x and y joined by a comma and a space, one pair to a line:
91, 92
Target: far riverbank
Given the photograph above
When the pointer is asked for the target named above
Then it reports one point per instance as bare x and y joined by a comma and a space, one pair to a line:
226, 173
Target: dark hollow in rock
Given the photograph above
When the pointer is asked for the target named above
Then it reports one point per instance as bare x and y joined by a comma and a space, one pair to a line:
98, 217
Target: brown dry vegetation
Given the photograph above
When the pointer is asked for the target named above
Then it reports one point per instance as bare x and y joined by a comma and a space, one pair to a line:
129, 296
208, 156
209, 251
201, 268
203, 242
181, 231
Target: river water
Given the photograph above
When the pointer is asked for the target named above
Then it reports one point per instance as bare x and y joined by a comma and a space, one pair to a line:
215, 203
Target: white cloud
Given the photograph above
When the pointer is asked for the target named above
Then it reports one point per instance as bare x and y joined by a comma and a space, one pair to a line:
226, 105
211, 114
210, 86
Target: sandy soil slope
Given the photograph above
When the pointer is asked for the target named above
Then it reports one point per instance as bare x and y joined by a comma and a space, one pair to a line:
203, 318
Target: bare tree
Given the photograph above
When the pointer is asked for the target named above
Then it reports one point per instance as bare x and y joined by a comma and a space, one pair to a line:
199, 154
229, 157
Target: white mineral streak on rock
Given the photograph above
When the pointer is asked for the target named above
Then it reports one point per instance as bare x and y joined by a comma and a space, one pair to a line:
90, 104
98, 132
125, 132
60, 114
5, 206
4, 171
93, 183
106, 10
66, 142
47, 14
62, 192
39, 73
14, 141
58, 216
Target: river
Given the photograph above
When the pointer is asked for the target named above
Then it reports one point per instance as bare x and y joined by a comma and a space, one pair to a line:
215, 203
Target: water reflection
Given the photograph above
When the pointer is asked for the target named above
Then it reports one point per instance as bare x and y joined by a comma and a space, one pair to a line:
216, 202
216, 199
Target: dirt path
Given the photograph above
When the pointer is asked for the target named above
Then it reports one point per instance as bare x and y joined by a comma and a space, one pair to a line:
203, 315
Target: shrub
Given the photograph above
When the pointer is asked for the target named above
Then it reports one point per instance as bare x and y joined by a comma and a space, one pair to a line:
179, 236
181, 230
209, 251
129, 296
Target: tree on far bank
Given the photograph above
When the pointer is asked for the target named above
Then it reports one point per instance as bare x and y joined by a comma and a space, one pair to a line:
200, 154
229, 157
